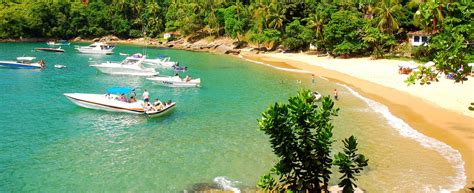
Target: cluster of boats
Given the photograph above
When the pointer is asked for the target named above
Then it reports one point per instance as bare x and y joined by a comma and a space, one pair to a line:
139, 65
135, 65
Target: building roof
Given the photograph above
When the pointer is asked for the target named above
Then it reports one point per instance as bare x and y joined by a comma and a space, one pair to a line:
422, 33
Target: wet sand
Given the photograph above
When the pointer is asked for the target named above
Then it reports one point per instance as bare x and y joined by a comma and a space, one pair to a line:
450, 127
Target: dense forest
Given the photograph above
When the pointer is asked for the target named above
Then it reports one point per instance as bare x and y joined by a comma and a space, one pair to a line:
339, 27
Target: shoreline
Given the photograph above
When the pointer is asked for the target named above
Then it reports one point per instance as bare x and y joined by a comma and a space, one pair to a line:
450, 127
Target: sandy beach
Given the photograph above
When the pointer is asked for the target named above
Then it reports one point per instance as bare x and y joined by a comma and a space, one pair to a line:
439, 110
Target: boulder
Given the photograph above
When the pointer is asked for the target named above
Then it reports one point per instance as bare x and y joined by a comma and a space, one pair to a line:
222, 49
239, 45
233, 51
109, 38
77, 39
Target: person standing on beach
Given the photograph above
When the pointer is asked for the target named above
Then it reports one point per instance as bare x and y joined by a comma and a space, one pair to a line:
146, 96
335, 94
312, 79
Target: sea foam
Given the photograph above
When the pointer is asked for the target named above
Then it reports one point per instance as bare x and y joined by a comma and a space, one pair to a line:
226, 184
452, 155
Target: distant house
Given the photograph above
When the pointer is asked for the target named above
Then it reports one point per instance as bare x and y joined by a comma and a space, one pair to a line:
169, 35
418, 38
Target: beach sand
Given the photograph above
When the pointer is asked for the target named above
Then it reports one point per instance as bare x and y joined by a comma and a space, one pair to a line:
439, 110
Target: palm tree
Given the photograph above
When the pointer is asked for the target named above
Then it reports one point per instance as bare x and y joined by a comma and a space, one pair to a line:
387, 14
429, 13
278, 15
316, 21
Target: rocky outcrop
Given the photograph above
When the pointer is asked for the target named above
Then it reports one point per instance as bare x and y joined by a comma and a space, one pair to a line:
109, 38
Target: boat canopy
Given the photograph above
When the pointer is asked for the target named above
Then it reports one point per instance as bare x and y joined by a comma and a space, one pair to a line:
119, 90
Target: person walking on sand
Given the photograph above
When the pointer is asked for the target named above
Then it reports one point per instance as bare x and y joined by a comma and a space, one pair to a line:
312, 79
335, 94
146, 96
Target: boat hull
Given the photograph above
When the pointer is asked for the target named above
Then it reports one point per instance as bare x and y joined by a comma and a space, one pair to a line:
175, 83
116, 70
90, 51
7, 64
49, 50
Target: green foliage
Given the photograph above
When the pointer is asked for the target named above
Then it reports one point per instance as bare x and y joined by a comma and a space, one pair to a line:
344, 33
350, 164
298, 36
235, 21
301, 136
377, 40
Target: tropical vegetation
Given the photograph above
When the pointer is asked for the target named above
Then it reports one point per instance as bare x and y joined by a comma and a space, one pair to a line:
342, 28
301, 135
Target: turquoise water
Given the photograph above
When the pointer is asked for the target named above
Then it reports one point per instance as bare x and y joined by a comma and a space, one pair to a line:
48, 144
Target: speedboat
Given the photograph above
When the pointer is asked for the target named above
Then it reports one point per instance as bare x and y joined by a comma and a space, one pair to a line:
96, 48
50, 49
111, 101
59, 66
58, 43
316, 95
130, 66
161, 62
176, 81
23, 62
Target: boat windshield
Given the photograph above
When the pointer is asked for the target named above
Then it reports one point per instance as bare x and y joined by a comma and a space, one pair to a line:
130, 62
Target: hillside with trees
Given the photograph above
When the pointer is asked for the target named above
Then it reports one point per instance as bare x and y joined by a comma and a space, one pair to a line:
342, 28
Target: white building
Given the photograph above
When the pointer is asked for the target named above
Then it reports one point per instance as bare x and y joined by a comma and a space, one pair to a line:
169, 35
418, 38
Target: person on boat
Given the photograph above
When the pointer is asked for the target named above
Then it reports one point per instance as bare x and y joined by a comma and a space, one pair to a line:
336, 97
146, 96
133, 99
122, 98
187, 79
41, 63
149, 107
158, 104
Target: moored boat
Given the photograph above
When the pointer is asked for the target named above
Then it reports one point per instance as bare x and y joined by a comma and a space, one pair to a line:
130, 66
50, 49
111, 101
161, 62
59, 66
23, 62
96, 48
58, 43
317, 96
176, 81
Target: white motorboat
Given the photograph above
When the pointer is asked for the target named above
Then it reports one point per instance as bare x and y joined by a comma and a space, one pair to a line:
161, 62
96, 48
58, 43
130, 66
316, 95
59, 66
111, 102
176, 81
23, 62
